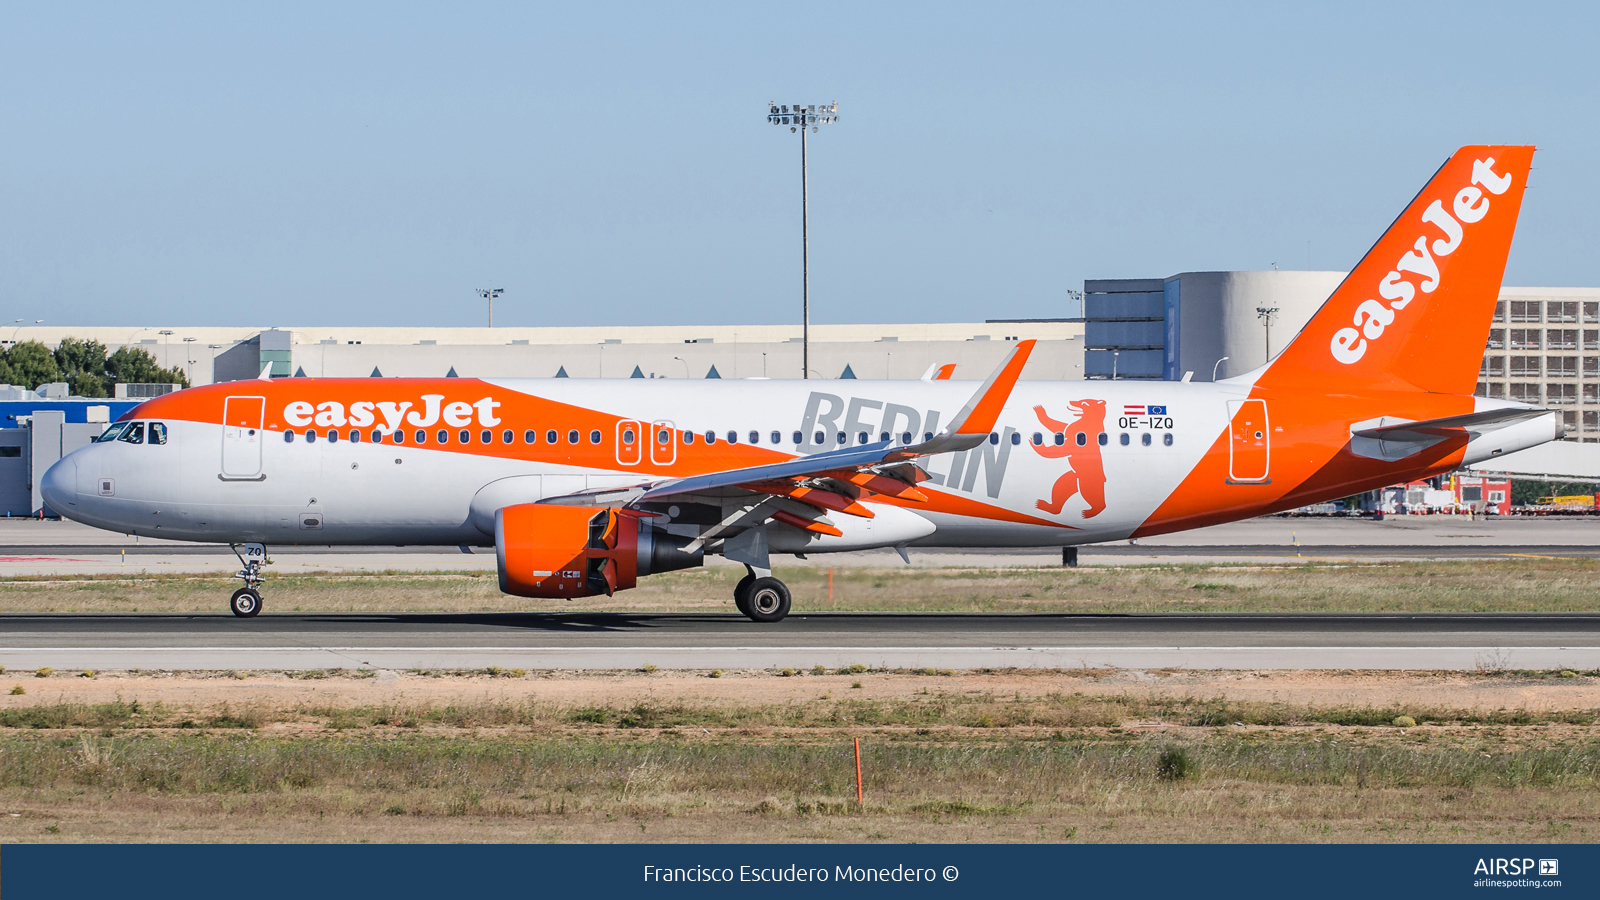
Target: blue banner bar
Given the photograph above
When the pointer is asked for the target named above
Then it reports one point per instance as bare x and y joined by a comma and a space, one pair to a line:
1367, 872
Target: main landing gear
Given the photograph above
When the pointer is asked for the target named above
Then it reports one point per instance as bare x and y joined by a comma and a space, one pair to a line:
761, 597
246, 601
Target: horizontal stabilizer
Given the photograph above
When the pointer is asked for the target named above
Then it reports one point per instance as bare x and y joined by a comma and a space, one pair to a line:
1430, 430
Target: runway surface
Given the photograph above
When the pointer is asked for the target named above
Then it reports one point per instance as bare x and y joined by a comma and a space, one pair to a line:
704, 641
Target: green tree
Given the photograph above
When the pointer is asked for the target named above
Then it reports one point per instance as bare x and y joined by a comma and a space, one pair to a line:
131, 365
32, 364
83, 365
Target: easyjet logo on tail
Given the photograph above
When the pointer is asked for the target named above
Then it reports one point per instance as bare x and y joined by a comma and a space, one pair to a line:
364, 414
1373, 316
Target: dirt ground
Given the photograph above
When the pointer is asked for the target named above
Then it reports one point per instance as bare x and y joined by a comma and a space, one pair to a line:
1449, 690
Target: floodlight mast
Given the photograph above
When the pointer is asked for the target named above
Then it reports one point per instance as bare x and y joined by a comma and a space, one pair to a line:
489, 294
799, 118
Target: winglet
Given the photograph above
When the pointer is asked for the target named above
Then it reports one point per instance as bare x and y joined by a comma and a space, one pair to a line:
983, 410
266, 371
972, 424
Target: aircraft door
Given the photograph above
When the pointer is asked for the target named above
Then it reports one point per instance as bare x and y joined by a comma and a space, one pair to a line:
630, 443
242, 437
663, 443
1249, 442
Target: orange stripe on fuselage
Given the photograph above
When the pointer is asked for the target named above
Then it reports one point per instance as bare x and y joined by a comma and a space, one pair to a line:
516, 411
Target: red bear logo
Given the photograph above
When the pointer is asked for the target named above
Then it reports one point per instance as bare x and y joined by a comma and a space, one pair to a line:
1082, 451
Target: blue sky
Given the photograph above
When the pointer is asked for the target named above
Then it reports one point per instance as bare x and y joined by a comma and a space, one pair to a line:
219, 164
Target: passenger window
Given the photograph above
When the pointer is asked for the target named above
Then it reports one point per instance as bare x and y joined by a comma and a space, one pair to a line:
550, 436
1084, 439
711, 437
530, 437
288, 437
333, 436
464, 436
1145, 439
819, 438
355, 436
755, 437
594, 436
507, 437
110, 434
733, 437
627, 436
688, 437
843, 439
800, 438
994, 438
905, 437
883, 437
1061, 438
399, 437
862, 437
1016, 438
1166, 439
443, 436
311, 435
134, 434
777, 437
158, 433
1038, 439
421, 436
1123, 440
487, 437
377, 436
572, 436
1103, 438
663, 437
927, 436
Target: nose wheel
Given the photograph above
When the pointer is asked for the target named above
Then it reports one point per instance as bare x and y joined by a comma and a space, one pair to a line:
246, 601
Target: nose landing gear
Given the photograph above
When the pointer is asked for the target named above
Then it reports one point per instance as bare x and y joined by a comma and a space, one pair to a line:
246, 601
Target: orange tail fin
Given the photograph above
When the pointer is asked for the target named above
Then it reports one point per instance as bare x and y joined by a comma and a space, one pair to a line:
1418, 306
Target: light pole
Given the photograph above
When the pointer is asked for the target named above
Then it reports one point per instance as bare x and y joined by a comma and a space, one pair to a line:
686, 366
165, 333
799, 118
188, 358
21, 324
489, 294
1265, 314
1114, 355
1217, 364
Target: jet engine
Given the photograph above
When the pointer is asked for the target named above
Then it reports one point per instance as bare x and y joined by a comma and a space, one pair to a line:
579, 551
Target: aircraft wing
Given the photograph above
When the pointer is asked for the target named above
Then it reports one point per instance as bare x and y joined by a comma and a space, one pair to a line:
968, 429
803, 490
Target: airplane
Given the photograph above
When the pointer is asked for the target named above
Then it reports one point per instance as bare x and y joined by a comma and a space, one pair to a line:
585, 486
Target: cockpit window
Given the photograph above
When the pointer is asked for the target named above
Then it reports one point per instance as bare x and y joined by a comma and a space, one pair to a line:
158, 432
134, 433
110, 434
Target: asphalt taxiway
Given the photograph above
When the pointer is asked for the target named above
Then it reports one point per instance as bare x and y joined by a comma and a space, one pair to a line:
706, 641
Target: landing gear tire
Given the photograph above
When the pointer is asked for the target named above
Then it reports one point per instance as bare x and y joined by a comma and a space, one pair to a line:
767, 600
741, 594
246, 603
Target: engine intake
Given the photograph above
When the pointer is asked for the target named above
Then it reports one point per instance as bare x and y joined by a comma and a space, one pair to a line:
580, 551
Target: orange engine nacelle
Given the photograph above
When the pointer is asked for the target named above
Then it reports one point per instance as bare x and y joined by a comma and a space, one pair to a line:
580, 551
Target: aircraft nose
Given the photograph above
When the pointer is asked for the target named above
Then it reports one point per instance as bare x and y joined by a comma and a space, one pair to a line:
59, 487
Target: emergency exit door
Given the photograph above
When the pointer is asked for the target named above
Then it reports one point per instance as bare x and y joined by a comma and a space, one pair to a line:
1249, 442
241, 437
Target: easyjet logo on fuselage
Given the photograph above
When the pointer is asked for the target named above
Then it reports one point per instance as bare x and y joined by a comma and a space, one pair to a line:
365, 414
1372, 316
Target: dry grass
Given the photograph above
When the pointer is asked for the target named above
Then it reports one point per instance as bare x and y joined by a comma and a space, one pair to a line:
941, 765
1542, 585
